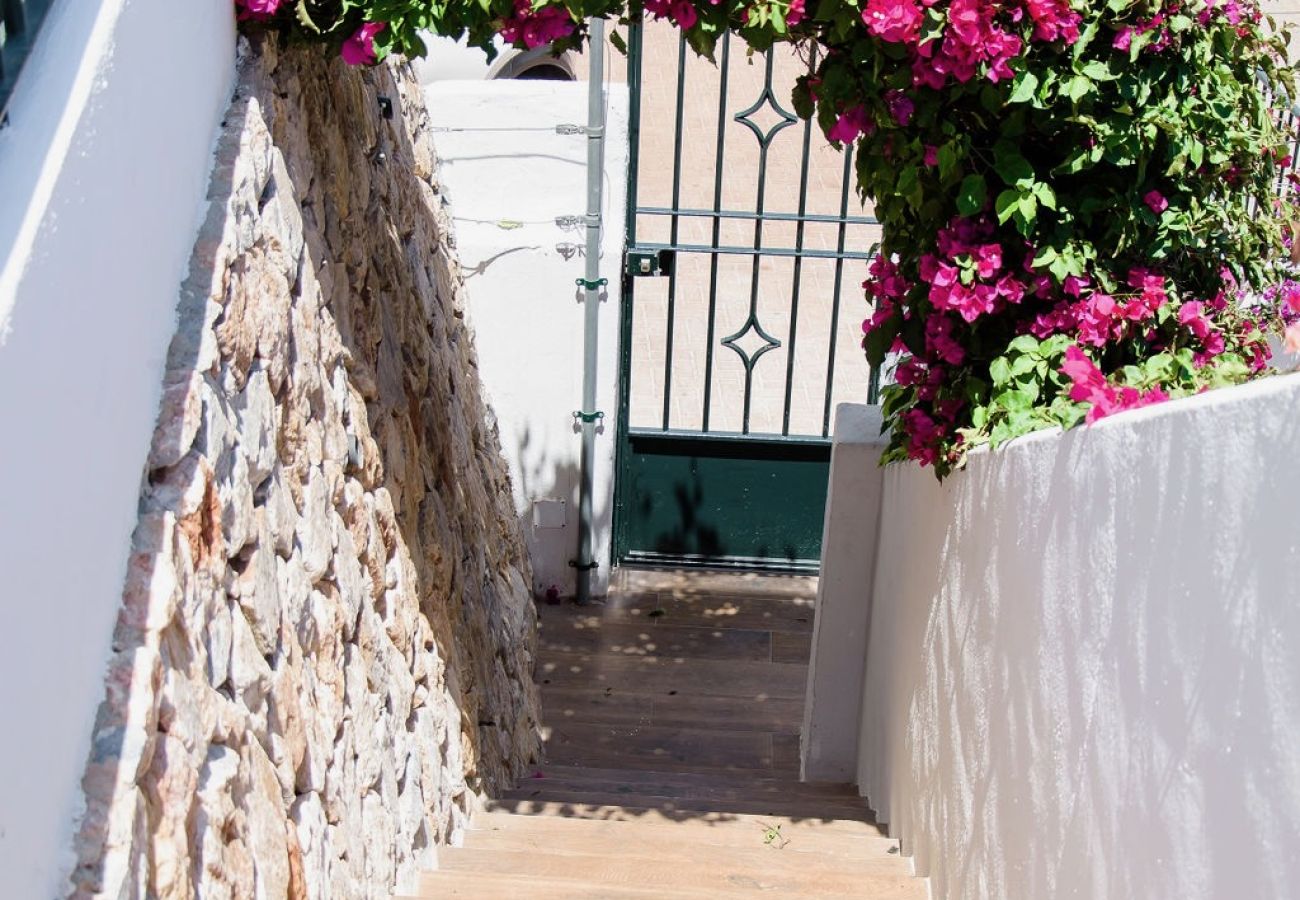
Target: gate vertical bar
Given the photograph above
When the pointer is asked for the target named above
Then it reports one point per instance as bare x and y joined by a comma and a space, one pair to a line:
839, 283
673, 229
724, 67
798, 263
591, 305
634, 43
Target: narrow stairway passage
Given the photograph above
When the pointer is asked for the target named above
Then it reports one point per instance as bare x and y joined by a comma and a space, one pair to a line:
672, 764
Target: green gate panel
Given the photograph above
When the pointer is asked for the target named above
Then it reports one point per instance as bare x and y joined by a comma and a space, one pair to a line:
751, 503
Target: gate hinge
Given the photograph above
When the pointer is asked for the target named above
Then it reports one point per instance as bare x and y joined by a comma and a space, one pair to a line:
649, 263
594, 131
567, 222
583, 567
592, 285
588, 417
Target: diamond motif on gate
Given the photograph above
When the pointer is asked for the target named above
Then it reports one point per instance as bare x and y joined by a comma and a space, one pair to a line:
748, 360
766, 99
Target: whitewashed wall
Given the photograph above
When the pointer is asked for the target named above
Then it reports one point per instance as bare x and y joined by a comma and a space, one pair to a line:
1083, 676
102, 175
506, 188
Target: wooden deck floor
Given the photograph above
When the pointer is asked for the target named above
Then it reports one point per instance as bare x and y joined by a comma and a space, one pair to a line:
672, 766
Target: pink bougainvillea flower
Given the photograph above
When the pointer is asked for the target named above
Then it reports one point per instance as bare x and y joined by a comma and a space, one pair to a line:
257, 10
1054, 20
540, 27
896, 21
1090, 386
1193, 316
931, 155
359, 50
795, 14
900, 106
680, 12
1291, 338
1291, 298
1156, 201
850, 124
940, 343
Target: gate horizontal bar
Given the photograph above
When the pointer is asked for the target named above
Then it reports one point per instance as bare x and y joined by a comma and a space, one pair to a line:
762, 251
727, 443
742, 214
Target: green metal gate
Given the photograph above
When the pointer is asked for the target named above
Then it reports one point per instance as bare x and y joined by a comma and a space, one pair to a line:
741, 251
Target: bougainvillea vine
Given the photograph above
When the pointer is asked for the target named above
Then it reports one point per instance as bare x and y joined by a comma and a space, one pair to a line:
1074, 194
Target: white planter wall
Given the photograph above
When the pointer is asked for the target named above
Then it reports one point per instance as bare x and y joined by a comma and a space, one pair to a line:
506, 188
102, 175
1083, 671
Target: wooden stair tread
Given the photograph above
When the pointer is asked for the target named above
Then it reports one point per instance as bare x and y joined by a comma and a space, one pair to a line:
694, 797
626, 705
652, 637
542, 811
821, 810
774, 614
487, 885
741, 679
625, 825
756, 784
727, 872
755, 846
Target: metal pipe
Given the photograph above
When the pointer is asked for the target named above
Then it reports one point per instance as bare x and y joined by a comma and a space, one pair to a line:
586, 562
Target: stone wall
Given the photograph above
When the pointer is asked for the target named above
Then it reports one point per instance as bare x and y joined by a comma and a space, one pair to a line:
326, 640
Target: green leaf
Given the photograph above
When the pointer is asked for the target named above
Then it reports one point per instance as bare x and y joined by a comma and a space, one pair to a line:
1027, 212
304, 17
1014, 168
971, 195
620, 45
947, 160
1025, 344
1000, 370
1022, 89
1022, 366
1006, 205
1098, 71
1077, 87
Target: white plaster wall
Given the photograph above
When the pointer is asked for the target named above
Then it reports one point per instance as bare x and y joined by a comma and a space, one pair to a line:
1083, 675
524, 305
102, 174
832, 706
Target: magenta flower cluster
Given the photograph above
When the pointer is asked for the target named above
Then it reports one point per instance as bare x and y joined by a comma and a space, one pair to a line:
257, 10
537, 27
1103, 398
979, 35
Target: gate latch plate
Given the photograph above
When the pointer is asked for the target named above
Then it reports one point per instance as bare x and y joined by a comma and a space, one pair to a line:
650, 263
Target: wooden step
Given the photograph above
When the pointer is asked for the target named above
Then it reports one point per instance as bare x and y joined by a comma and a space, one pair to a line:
736, 781
652, 747
794, 615
722, 873
583, 634
809, 809
739, 679
577, 823
622, 705
489, 886
702, 790
757, 844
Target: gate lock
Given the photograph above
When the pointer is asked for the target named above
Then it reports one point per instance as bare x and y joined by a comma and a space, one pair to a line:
649, 263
